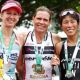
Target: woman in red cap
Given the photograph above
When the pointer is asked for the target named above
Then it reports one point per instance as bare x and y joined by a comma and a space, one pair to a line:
9, 41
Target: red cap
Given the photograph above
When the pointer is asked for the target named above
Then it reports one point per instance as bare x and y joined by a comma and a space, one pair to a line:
12, 4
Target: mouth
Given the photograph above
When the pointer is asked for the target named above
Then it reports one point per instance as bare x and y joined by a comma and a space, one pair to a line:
10, 20
41, 26
70, 30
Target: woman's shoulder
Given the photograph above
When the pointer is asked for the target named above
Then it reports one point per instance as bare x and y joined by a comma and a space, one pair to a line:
21, 35
56, 38
58, 47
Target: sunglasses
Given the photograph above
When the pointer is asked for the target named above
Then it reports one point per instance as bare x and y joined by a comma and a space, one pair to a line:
66, 12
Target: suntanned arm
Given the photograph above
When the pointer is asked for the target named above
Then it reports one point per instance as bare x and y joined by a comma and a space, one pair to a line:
56, 38
56, 55
58, 47
57, 43
20, 61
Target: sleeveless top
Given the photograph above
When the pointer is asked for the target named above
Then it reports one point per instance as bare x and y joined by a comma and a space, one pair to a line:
76, 65
9, 68
30, 58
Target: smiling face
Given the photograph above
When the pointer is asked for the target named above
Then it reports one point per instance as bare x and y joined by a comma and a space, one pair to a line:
10, 17
69, 26
41, 21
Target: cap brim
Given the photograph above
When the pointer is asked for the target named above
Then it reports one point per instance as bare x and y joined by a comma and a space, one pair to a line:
11, 5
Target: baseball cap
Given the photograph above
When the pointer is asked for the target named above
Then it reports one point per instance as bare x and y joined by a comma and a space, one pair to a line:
12, 4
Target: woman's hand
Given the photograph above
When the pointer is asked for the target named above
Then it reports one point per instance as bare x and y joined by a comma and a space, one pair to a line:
55, 60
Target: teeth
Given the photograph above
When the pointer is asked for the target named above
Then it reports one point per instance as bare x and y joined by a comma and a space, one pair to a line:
69, 30
10, 21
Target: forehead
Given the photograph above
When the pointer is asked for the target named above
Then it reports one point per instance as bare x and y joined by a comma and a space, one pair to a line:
13, 9
44, 14
69, 17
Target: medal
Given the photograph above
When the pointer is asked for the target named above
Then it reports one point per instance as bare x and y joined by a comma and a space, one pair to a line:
38, 49
5, 58
69, 74
6, 53
38, 68
69, 65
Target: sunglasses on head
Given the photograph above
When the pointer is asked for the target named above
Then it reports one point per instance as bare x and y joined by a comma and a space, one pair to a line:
66, 12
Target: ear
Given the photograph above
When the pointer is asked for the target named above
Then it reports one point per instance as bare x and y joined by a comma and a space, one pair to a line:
60, 26
50, 21
33, 18
19, 16
1, 14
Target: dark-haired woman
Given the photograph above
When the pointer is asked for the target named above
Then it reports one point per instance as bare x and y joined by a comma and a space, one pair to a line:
68, 52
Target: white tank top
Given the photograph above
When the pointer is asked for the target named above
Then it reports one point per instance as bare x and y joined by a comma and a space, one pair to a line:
30, 58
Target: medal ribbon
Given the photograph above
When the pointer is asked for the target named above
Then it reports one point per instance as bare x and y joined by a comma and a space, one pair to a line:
6, 53
39, 52
70, 64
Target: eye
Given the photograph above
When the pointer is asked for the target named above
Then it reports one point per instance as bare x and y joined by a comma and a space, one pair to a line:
15, 14
73, 21
65, 22
39, 18
46, 20
8, 13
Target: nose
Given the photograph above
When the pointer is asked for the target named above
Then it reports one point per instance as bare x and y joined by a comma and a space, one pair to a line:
69, 24
41, 21
12, 15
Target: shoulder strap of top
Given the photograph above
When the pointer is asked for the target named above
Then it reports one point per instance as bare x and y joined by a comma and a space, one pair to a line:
27, 36
52, 38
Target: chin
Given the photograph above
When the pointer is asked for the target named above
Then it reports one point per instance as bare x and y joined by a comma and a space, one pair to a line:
42, 31
71, 35
10, 25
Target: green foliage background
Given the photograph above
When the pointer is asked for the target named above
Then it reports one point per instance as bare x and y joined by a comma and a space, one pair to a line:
29, 7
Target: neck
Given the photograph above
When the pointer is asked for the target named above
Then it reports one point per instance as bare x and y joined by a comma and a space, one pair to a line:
7, 32
72, 40
39, 36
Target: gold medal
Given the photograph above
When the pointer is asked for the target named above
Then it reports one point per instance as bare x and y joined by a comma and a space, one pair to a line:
38, 68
